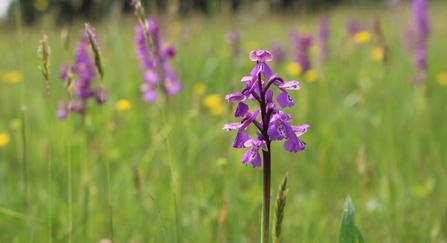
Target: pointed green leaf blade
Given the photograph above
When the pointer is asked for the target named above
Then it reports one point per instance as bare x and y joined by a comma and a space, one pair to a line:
348, 230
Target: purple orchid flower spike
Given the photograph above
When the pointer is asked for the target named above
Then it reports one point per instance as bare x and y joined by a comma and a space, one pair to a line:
155, 60
421, 34
81, 75
273, 125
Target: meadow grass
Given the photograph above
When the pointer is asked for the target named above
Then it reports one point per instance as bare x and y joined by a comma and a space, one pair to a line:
373, 135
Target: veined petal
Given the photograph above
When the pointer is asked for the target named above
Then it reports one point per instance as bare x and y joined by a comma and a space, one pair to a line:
241, 109
261, 55
294, 145
250, 120
232, 126
252, 155
267, 71
240, 139
293, 85
235, 97
277, 130
300, 129
246, 78
269, 96
284, 100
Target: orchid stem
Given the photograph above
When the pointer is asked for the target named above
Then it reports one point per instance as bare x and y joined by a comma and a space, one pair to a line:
265, 221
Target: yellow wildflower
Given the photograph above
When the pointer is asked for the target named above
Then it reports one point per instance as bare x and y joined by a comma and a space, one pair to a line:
41, 5
123, 105
310, 76
12, 77
362, 37
211, 101
377, 54
4, 139
442, 78
251, 46
174, 27
293, 68
217, 110
199, 88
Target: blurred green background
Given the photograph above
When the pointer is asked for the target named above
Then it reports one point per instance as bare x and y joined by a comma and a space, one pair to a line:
373, 133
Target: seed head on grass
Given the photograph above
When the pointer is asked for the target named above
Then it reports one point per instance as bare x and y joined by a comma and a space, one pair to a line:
93, 39
44, 53
279, 210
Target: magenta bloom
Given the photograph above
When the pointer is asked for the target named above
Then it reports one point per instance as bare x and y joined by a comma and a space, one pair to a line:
353, 26
421, 33
302, 44
274, 124
155, 60
252, 155
420, 18
277, 51
323, 36
234, 38
83, 72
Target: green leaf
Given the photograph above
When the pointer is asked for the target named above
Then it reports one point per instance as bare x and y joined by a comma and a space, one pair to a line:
349, 232
359, 235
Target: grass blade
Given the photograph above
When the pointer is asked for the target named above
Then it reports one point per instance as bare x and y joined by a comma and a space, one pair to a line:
349, 232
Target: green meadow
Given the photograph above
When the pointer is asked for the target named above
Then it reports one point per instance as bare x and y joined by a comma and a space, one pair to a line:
374, 135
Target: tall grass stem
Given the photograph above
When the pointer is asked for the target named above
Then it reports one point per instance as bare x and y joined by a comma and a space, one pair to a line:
159, 217
70, 203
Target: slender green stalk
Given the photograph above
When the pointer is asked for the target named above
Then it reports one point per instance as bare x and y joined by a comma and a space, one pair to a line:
49, 117
265, 223
159, 217
171, 167
70, 203
44, 53
18, 15
109, 188
25, 166
100, 71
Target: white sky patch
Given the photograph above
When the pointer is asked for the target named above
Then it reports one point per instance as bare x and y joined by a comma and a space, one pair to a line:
4, 7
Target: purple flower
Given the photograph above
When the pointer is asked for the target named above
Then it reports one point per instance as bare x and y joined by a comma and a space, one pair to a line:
277, 51
241, 136
261, 67
323, 36
421, 34
353, 26
82, 73
419, 57
274, 124
234, 38
302, 44
420, 16
155, 60
279, 128
252, 155
62, 112
294, 144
